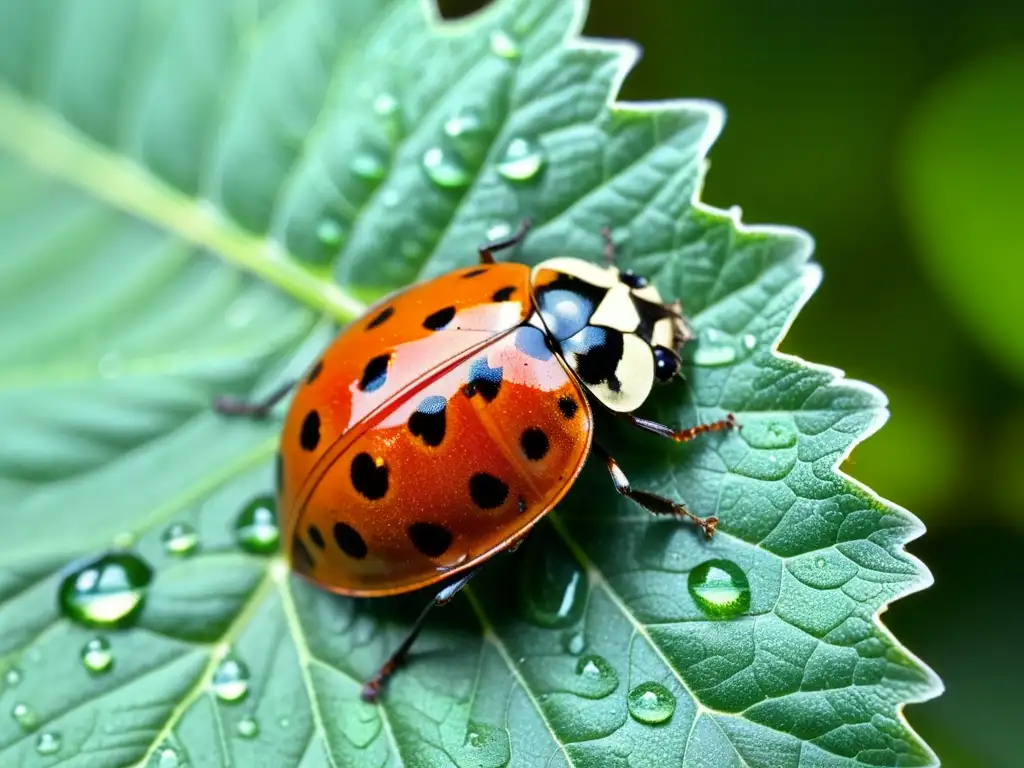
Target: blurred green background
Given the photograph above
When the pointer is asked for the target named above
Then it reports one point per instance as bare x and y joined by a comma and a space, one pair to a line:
893, 132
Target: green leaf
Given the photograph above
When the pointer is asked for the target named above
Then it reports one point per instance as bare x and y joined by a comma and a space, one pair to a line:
190, 194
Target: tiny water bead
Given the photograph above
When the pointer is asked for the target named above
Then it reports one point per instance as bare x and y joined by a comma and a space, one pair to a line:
330, 233
720, 588
463, 127
552, 584
12, 677
595, 677
574, 643
180, 539
108, 591
230, 680
523, 160
445, 168
168, 758
48, 743
503, 46
498, 230
651, 703
717, 348
369, 166
256, 529
24, 716
97, 656
247, 728
385, 105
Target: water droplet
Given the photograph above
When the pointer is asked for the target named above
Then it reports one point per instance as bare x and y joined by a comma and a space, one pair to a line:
24, 716
96, 655
574, 643
720, 589
503, 45
330, 233
284, 722
714, 348
445, 168
749, 341
595, 677
12, 677
48, 743
180, 539
552, 585
168, 758
385, 105
523, 160
369, 166
256, 527
248, 728
819, 562
230, 680
770, 433
499, 230
107, 591
651, 703
464, 127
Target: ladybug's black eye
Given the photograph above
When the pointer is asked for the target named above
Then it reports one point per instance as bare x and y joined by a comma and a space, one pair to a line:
632, 279
666, 364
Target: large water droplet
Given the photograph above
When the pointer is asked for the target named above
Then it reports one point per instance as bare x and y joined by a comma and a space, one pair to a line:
24, 716
256, 527
230, 680
720, 589
180, 539
247, 728
168, 758
503, 45
651, 703
97, 656
12, 677
552, 585
769, 433
107, 591
523, 160
330, 233
48, 743
595, 677
445, 168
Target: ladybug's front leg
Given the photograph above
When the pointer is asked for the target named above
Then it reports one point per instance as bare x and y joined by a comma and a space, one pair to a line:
682, 435
232, 406
658, 505
371, 690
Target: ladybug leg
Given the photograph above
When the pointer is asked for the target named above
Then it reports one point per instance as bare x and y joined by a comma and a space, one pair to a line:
487, 250
233, 406
657, 505
372, 687
609, 246
682, 435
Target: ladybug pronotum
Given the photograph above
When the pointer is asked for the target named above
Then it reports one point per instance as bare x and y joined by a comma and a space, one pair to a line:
437, 429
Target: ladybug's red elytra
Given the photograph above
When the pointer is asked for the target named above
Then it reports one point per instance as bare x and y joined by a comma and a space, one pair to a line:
438, 428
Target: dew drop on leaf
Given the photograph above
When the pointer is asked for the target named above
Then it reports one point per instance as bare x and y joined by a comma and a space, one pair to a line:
503, 46
24, 716
651, 703
230, 680
552, 584
168, 758
385, 105
256, 529
12, 677
573, 643
107, 591
445, 168
595, 677
180, 539
330, 233
48, 743
770, 433
96, 655
463, 128
523, 160
369, 166
499, 230
720, 588
248, 728
714, 349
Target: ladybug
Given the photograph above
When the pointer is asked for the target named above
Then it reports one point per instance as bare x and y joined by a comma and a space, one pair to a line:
437, 429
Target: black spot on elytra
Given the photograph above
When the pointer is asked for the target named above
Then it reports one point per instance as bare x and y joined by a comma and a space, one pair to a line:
568, 406
429, 538
349, 541
318, 366
487, 491
301, 559
375, 373
381, 317
316, 537
504, 294
368, 479
534, 443
309, 434
598, 363
483, 380
439, 319
429, 420
474, 273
